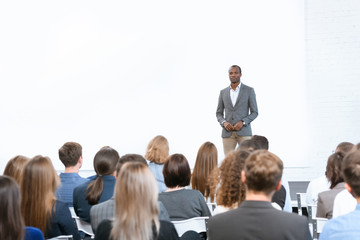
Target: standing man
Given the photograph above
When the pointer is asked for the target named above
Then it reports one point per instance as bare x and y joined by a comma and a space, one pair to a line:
239, 103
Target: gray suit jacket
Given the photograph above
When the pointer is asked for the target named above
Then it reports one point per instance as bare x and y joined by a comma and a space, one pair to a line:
106, 210
258, 220
326, 199
245, 109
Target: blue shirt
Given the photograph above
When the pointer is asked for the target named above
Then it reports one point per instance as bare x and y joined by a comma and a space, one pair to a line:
68, 182
157, 169
343, 227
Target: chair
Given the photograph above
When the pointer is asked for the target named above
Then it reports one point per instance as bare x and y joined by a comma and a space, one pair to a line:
82, 225
197, 224
32, 233
211, 207
62, 237
301, 202
318, 224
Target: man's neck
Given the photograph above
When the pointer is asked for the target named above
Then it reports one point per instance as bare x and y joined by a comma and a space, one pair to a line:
234, 85
73, 169
258, 196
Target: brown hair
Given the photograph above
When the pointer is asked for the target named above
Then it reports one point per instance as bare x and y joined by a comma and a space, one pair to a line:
12, 225
15, 167
351, 171
157, 150
333, 169
105, 161
232, 190
136, 203
129, 158
38, 187
206, 161
344, 147
263, 171
261, 142
176, 171
70, 153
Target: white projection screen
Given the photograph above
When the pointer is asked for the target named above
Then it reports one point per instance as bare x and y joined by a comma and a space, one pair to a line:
118, 73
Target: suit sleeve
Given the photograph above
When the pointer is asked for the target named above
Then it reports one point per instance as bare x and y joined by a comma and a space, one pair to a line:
220, 110
253, 107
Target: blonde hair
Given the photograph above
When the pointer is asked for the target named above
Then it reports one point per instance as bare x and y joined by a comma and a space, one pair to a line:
15, 166
136, 205
206, 161
38, 187
157, 150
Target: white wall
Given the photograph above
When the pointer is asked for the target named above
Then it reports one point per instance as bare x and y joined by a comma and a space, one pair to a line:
118, 73
333, 77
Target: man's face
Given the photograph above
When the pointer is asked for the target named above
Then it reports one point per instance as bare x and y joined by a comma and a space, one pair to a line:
234, 75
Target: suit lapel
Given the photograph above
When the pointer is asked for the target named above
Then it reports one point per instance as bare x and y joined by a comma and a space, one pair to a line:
227, 96
239, 96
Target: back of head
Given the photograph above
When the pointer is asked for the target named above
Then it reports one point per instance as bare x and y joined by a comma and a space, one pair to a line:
351, 171
70, 153
261, 142
333, 169
105, 162
157, 150
15, 166
129, 158
38, 188
232, 190
206, 161
344, 147
248, 145
263, 171
136, 206
176, 171
11, 222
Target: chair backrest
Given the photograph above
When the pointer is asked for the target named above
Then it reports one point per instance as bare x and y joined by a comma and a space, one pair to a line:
62, 237
197, 224
301, 202
82, 225
312, 211
317, 225
211, 207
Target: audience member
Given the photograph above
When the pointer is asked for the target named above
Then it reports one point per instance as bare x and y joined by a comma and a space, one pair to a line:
101, 188
136, 208
156, 153
226, 182
322, 184
344, 202
333, 174
105, 210
256, 218
12, 226
258, 142
347, 226
39, 206
181, 203
15, 166
206, 161
70, 155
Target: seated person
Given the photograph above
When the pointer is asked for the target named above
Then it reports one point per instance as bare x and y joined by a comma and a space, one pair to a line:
15, 166
70, 155
105, 210
325, 202
226, 182
256, 218
179, 202
347, 226
206, 161
136, 208
39, 206
100, 188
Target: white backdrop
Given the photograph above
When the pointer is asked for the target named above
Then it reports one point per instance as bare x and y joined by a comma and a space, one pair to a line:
118, 73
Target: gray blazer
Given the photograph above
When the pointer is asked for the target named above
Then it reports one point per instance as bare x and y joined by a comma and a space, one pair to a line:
326, 199
258, 220
245, 109
106, 210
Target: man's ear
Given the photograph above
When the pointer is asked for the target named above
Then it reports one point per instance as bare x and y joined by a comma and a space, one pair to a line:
347, 186
243, 177
278, 186
80, 161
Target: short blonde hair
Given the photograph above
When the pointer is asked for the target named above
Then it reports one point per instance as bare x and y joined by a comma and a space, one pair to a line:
157, 150
15, 166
